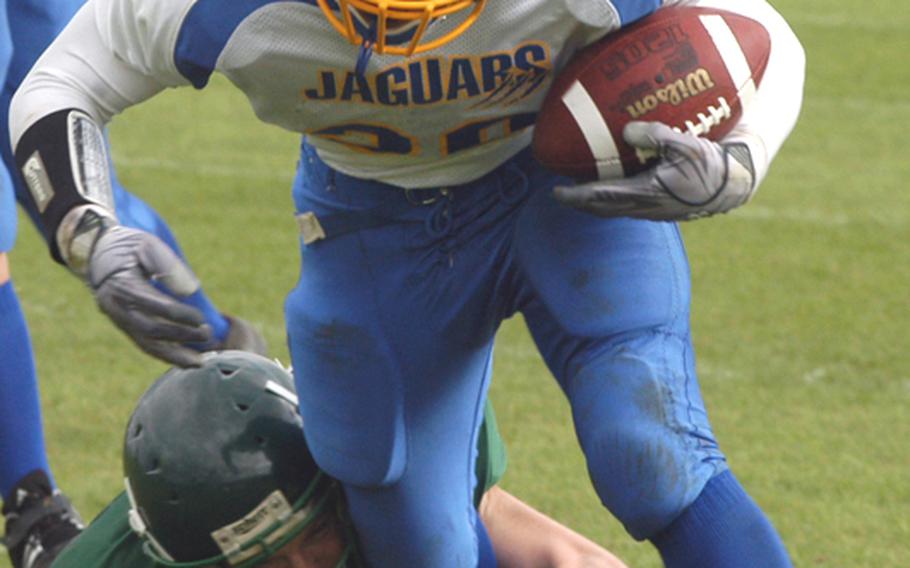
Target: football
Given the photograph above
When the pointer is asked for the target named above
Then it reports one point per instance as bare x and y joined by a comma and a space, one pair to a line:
694, 69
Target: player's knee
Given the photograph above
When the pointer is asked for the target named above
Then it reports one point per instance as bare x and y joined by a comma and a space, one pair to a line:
648, 447
368, 470
355, 454
354, 421
642, 479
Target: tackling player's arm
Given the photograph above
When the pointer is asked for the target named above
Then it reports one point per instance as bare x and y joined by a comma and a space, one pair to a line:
691, 168
98, 66
523, 536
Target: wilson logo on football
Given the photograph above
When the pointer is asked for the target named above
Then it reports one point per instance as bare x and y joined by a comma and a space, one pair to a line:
675, 93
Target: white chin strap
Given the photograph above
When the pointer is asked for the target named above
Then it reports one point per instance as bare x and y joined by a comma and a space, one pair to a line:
140, 527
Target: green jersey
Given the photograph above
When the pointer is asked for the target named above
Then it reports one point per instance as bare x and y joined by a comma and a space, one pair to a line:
108, 542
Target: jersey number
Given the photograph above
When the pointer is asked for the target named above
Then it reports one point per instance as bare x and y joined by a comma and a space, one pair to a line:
382, 139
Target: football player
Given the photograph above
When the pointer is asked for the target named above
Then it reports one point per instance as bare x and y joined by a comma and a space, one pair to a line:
39, 520
252, 494
425, 222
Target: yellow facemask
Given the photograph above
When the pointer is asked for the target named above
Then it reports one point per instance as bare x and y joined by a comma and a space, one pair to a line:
402, 15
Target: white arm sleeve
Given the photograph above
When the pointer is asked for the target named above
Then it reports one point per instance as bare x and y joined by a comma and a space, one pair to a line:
113, 54
772, 114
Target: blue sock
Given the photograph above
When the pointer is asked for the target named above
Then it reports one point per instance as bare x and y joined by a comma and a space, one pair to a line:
723, 528
136, 213
220, 324
21, 432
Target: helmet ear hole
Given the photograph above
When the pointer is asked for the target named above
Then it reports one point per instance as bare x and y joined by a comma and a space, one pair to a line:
242, 407
227, 371
174, 498
137, 430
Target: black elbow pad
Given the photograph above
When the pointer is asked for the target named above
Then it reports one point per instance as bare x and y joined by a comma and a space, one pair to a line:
62, 160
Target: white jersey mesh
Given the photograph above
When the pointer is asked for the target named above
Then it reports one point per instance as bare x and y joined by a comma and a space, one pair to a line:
283, 50
599, 13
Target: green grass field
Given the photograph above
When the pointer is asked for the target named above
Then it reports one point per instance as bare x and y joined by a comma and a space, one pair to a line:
799, 316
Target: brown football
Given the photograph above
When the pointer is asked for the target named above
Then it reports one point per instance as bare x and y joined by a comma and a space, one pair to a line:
694, 69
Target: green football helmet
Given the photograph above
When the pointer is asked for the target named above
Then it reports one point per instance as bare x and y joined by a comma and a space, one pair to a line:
217, 469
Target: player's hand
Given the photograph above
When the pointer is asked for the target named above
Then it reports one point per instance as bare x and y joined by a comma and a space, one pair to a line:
128, 271
694, 177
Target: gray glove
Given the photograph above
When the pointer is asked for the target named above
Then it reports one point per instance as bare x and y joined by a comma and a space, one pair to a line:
123, 269
694, 177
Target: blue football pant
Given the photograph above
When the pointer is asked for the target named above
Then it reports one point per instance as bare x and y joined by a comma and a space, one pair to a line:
391, 330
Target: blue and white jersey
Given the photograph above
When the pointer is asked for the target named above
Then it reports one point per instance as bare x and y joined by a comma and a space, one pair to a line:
443, 117
439, 118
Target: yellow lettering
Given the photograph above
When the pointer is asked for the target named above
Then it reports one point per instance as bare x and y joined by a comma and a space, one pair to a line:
699, 81
674, 93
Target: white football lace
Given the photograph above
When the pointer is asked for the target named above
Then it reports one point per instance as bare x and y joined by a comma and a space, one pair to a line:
714, 116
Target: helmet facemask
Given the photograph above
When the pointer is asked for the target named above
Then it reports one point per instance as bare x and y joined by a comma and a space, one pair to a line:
265, 530
397, 27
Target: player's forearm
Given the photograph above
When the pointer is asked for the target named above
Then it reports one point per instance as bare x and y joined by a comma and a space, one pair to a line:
56, 121
52, 132
525, 538
772, 113
4, 269
62, 160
